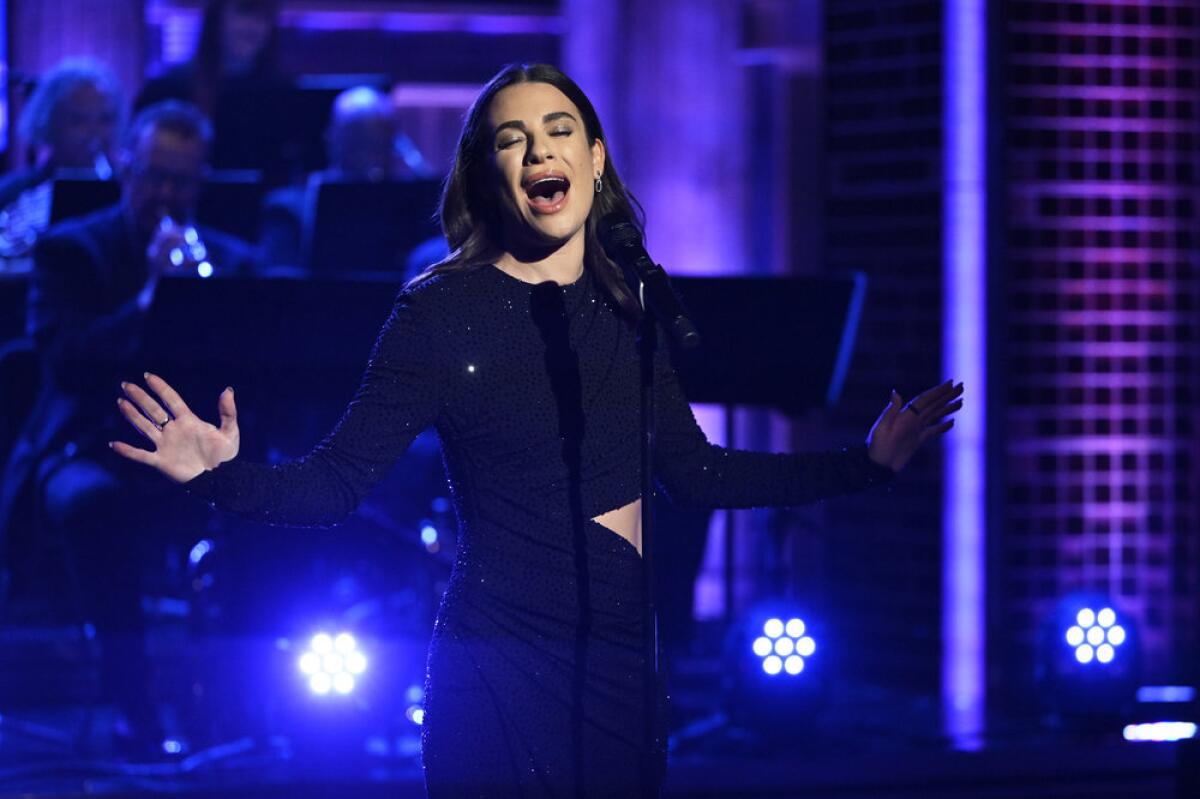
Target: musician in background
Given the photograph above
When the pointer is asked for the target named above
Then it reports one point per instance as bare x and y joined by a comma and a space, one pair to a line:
93, 283
364, 143
237, 51
69, 123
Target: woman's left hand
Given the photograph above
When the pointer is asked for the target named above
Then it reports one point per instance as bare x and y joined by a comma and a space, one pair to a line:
903, 427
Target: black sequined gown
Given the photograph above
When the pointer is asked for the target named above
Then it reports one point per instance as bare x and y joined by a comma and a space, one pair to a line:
534, 684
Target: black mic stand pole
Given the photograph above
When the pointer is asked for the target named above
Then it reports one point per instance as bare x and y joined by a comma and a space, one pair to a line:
647, 340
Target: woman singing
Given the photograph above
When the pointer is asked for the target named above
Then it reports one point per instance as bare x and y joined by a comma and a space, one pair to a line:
519, 348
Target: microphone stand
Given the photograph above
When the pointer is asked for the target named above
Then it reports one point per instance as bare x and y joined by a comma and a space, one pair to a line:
647, 343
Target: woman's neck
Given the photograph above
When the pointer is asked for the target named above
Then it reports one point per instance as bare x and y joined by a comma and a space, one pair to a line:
562, 264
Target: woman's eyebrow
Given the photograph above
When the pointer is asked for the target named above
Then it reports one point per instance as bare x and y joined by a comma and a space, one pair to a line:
519, 125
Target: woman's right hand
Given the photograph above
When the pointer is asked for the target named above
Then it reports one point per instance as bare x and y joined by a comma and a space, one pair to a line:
184, 444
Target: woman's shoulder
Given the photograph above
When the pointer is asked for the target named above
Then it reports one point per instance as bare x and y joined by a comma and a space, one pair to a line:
447, 289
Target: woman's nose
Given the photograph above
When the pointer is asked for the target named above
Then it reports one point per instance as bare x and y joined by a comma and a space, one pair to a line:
538, 152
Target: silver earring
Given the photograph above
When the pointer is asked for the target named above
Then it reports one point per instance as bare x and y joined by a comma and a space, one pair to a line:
599, 184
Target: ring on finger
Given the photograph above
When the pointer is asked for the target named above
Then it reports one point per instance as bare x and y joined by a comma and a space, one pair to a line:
162, 424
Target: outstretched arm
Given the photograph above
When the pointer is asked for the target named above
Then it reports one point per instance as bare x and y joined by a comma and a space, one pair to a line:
395, 401
694, 472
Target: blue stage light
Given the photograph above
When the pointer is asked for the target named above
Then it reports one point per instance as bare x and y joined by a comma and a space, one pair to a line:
199, 550
775, 677
1095, 635
332, 663
1088, 662
1160, 731
429, 535
783, 643
204, 269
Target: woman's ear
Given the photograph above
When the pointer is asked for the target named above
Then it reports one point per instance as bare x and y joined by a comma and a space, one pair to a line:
598, 154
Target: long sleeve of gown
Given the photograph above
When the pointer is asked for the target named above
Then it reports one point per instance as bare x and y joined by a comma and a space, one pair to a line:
696, 473
395, 401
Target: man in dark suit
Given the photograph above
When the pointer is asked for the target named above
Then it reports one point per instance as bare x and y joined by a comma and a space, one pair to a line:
93, 284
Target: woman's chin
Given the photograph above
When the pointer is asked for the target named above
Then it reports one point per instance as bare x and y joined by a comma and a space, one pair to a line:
552, 232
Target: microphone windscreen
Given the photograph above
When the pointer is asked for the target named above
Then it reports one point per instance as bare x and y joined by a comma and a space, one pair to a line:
617, 234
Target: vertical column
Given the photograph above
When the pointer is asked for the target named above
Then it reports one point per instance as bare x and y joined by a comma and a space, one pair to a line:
664, 78
964, 330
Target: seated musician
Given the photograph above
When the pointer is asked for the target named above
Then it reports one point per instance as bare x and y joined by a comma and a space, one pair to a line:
93, 283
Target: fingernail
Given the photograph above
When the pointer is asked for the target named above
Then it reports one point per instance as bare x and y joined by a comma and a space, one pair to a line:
229, 389
110, 445
146, 375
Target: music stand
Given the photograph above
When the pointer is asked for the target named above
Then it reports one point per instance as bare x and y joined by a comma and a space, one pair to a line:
770, 342
72, 197
366, 226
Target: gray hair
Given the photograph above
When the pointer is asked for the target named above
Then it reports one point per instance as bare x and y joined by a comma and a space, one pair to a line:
38, 116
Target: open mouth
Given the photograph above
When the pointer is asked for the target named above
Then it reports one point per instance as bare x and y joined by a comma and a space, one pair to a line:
547, 192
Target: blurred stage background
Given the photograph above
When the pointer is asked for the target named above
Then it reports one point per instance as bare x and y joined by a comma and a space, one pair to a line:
1015, 185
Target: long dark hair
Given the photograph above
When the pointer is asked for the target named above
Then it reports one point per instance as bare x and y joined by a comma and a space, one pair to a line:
470, 210
206, 63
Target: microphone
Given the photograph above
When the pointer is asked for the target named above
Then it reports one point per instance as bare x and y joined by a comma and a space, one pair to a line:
623, 244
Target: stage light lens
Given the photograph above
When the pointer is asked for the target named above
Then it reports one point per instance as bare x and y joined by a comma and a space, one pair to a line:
1086, 618
1104, 653
1106, 617
429, 535
1116, 635
794, 664
204, 269
784, 647
773, 628
795, 628
332, 663
1075, 636
1095, 636
310, 663
806, 646
773, 665
762, 646
1085, 654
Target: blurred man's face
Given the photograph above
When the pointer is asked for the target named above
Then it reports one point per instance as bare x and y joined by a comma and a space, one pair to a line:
163, 177
84, 125
364, 147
